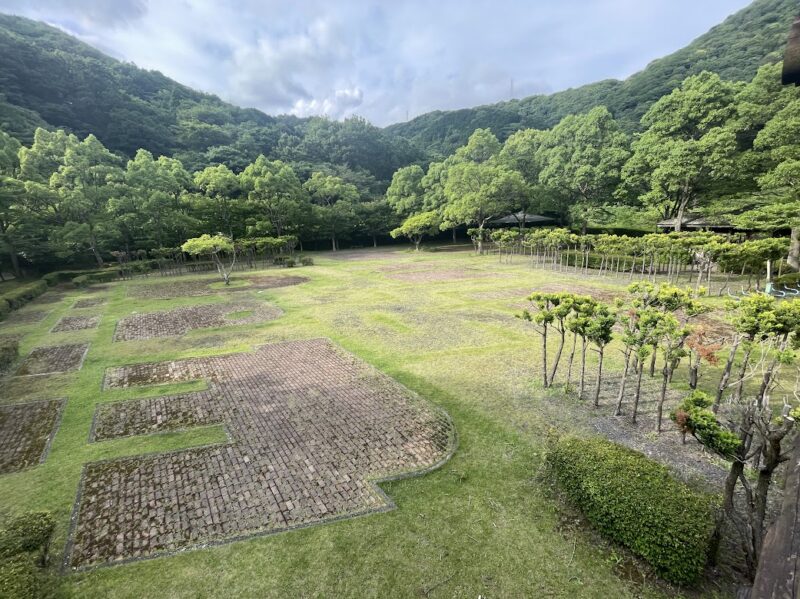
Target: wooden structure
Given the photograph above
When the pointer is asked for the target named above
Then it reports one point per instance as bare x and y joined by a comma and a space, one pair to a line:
696, 222
522, 219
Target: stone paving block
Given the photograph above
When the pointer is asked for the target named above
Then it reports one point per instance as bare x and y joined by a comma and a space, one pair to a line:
182, 320
75, 323
26, 430
311, 427
54, 358
91, 302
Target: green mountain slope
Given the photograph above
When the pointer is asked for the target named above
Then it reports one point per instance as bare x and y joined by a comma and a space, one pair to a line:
734, 49
50, 78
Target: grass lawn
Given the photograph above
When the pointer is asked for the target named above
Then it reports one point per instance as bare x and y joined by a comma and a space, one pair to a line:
440, 323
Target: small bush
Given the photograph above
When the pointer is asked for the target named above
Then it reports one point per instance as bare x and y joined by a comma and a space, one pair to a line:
18, 577
5, 308
81, 281
792, 278
290, 263
279, 260
307, 261
27, 533
636, 502
9, 351
16, 298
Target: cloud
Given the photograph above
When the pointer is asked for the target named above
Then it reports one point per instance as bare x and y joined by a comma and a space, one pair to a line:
382, 60
340, 104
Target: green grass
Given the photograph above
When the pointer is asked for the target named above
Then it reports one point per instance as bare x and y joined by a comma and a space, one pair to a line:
480, 525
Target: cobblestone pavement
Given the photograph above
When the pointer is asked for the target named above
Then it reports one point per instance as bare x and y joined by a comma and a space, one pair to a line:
25, 433
182, 320
176, 289
76, 323
54, 358
91, 302
310, 427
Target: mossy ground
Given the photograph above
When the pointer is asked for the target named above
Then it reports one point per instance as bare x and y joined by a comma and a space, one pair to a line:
481, 525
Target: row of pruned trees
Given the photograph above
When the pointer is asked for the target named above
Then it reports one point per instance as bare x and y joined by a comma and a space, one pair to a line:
737, 418
691, 257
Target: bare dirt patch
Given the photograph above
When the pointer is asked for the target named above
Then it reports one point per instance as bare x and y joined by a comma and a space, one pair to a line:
76, 323
174, 289
182, 320
91, 302
27, 317
26, 430
436, 276
54, 358
273, 282
311, 428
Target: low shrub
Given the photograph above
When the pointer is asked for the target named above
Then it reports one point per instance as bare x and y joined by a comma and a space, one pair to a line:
637, 503
27, 533
9, 351
101, 276
18, 297
5, 308
290, 263
792, 278
81, 281
307, 261
18, 577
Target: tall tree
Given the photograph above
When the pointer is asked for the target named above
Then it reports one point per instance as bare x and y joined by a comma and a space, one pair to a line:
11, 191
581, 158
685, 148
220, 189
334, 202
84, 184
405, 194
480, 192
276, 191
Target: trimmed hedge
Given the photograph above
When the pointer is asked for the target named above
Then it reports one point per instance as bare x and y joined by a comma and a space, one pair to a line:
26, 533
18, 297
637, 503
23, 544
9, 351
103, 276
18, 578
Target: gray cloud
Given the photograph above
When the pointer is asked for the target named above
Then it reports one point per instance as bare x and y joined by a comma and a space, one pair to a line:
378, 59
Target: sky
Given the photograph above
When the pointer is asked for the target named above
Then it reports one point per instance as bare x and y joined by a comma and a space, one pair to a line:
384, 60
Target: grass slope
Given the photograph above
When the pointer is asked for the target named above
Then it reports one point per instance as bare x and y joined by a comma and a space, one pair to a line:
480, 525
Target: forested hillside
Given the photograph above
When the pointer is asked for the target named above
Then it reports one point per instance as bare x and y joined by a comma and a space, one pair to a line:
734, 49
50, 78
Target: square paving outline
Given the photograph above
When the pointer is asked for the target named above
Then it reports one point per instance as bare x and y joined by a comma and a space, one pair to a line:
306, 448
27, 431
53, 359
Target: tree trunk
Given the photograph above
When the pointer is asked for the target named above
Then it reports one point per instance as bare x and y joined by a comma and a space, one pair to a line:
454, 234
793, 258
571, 358
726, 374
737, 392
662, 397
638, 393
12, 255
333, 242
544, 356
599, 376
374, 241
583, 368
623, 382
557, 357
